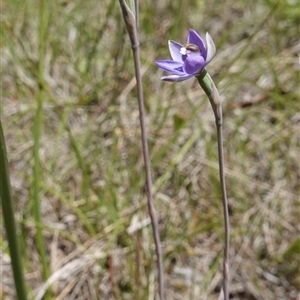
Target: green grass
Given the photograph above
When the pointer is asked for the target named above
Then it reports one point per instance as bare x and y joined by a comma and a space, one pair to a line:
91, 168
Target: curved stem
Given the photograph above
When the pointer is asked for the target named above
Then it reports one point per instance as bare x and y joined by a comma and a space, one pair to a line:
131, 22
151, 208
211, 91
225, 204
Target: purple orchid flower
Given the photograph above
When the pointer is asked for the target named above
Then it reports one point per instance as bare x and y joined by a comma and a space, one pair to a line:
189, 60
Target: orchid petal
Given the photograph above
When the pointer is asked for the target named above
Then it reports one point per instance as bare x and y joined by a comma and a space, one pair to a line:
194, 38
176, 78
189, 60
193, 64
171, 66
174, 48
211, 48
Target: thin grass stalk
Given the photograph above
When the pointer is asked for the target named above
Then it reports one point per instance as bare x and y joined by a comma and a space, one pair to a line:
151, 208
211, 91
37, 130
85, 170
138, 264
130, 19
9, 221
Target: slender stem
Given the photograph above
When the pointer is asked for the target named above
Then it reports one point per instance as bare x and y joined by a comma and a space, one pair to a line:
219, 123
38, 123
151, 208
36, 189
138, 265
211, 91
9, 221
131, 25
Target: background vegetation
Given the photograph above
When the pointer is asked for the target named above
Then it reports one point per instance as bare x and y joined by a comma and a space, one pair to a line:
94, 219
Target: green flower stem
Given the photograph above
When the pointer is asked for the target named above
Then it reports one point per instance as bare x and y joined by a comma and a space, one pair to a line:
37, 131
211, 91
9, 221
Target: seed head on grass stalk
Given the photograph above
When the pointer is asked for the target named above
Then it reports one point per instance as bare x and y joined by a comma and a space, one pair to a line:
190, 61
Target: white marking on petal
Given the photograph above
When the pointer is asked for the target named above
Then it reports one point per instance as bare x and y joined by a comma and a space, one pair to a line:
211, 48
183, 51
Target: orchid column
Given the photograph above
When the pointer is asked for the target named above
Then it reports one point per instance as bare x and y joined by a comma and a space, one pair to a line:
190, 61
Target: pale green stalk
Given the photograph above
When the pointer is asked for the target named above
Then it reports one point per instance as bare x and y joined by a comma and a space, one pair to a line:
9, 221
83, 166
211, 91
37, 131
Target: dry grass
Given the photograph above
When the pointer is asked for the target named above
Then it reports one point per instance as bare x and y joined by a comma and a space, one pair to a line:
95, 221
